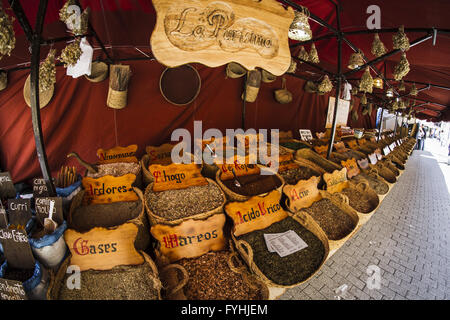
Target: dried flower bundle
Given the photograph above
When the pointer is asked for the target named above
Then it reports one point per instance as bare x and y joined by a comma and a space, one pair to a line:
413, 91
402, 68
303, 54
47, 72
364, 99
366, 83
325, 85
71, 53
401, 86
313, 55
400, 40
292, 67
378, 48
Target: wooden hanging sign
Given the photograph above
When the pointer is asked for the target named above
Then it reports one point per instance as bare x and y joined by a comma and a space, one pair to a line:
336, 181
241, 167
161, 154
109, 189
12, 290
373, 158
352, 167
7, 189
17, 249
363, 163
213, 33
118, 154
176, 176
103, 249
303, 194
340, 147
305, 134
256, 213
321, 150
19, 211
353, 144
191, 238
42, 206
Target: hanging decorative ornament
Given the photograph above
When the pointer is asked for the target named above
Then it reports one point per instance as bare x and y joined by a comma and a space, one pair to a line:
7, 36
326, 85
82, 27
389, 93
378, 83
356, 60
413, 91
71, 53
395, 105
401, 86
300, 29
400, 40
303, 54
366, 84
402, 68
313, 55
292, 67
378, 48
364, 99
47, 72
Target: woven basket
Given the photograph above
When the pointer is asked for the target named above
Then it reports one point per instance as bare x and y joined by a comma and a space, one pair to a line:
117, 99
44, 97
246, 252
210, 170
308, 154
235, 70
56, 281
232, 196
155, 219
99, 72
142, 237
252, 86
282, 95
383, 172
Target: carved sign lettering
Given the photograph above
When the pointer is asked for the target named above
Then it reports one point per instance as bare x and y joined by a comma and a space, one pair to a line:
176, 176
352, 167
118, 154
303, 194
336, 181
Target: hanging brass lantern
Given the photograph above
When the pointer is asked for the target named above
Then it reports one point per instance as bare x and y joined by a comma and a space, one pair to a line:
378, 48
300, 29
366, 83
378, 83
355, 60
313, 55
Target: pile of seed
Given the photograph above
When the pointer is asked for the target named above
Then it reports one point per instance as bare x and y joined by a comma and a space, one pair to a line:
292, 176
182, 203
253, 184
116, 169
106, 215
290, 269
210, 278
119, 283
334, 222
358, 200
377, 185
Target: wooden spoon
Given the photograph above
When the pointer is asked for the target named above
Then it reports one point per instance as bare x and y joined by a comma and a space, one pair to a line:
92, 168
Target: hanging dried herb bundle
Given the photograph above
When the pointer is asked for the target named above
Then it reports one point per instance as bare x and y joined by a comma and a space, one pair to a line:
378, 48
364, 99
292, 67
366, 83
394, 105
120, 76
325, 85
356, 60
310, 87
47, 72
352, 104
354, 90
84, 23
313, 55
7, 36
400, 40
401, 86
71, 53
402, 68
355, 115
413, 91
303, 54
63, 13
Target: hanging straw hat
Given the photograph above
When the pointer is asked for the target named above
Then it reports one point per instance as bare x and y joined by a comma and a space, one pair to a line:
235, 70
180, 85
252, 86
267, 77
99, 72
44, 97
283, 96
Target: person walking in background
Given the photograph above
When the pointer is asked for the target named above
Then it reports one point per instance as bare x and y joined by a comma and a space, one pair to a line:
420, 137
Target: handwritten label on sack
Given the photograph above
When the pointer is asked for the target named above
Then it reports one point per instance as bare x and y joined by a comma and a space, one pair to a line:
42, 206
321, 150
336, 181
118, 154
109, 189
191, 238
386, 150
352, 167
40, 188
19, 211
240, 165
303, 194
256, 213
305, 134
373, 158
363, 163
12, 290
17, 249
103, 249
176, 176
7, 189
161, 154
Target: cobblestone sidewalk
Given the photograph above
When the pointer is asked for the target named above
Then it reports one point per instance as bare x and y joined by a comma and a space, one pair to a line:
407, 239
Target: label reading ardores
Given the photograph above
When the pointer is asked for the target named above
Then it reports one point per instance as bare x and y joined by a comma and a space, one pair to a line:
108, 189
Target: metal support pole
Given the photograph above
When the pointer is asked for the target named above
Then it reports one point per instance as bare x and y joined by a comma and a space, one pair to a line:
395, 126
380, 126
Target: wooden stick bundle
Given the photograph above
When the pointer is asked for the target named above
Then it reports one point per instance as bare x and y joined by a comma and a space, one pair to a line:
66, 177
119, 78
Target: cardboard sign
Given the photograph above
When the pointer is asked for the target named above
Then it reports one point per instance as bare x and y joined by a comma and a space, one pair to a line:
3, 218
117, 154
12, 290
341, 115
161, 154
336, 181
353, 144
386, 150
19, 211
305, 134
241, 167
17, 249
103, 249
176, 176
40, 188
7, 189
363, 163
321, 150
109, 189
256, 213
42, 206
378, 153
373, 158
340, 147
303, 194
191, 238
351, 166
213, 33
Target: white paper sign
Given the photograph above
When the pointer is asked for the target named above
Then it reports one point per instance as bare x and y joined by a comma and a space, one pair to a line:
342, 112
305, 134
285, 243
83, 65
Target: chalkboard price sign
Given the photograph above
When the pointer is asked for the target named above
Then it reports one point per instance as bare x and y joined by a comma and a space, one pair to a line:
42, 206
40, 188
19, 211
17, 249
7, 189
12, 290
